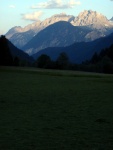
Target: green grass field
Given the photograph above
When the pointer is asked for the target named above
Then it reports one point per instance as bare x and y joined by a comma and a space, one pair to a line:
55, 110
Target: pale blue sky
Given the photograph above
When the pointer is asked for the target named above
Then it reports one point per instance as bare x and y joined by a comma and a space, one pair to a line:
23, 12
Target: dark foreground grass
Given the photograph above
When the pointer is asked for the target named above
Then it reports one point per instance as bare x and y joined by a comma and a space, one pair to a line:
55, 110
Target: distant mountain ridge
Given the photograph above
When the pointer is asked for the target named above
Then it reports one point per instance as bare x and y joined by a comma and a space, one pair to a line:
12, 31
78, 52
19, 39
100, 24
18, 36
59, 34
40, 25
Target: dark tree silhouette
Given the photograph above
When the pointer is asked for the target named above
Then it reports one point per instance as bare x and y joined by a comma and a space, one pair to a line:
102, 62
16, 61
94, 58
6, 58
107, 65
43, 61
62, 61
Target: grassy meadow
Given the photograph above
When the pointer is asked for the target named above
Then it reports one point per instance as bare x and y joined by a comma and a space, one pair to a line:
55, 110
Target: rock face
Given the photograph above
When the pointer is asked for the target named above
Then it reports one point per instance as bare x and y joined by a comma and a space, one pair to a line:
91, 18
100, 25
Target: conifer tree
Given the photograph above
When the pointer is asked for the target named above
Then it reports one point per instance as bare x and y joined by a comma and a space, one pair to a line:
6, 58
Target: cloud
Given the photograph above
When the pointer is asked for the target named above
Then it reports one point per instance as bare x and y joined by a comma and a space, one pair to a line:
56, 4
12, 6
32, 16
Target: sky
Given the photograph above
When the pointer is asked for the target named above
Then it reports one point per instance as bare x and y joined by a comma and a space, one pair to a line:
24, 12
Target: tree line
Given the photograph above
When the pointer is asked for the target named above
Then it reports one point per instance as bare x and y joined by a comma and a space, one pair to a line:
102, 62
44, 61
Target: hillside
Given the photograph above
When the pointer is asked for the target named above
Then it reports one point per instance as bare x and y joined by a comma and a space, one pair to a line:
78, 52
19, 53
9, 51
60, 34
19, 39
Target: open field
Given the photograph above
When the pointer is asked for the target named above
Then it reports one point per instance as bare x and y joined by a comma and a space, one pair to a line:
55, 110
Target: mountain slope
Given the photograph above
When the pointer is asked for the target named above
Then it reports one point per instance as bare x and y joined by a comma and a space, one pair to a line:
78, 52
19, 53
12, 31
19, 39
40, 25
20, 36
59, 34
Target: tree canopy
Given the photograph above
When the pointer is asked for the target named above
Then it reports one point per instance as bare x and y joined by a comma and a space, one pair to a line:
6, 58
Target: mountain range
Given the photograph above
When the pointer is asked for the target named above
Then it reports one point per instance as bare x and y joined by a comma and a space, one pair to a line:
100, 26
58, 33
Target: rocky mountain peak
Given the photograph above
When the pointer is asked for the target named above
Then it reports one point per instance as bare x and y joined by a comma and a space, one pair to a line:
91, 18
13, 31
57, 17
